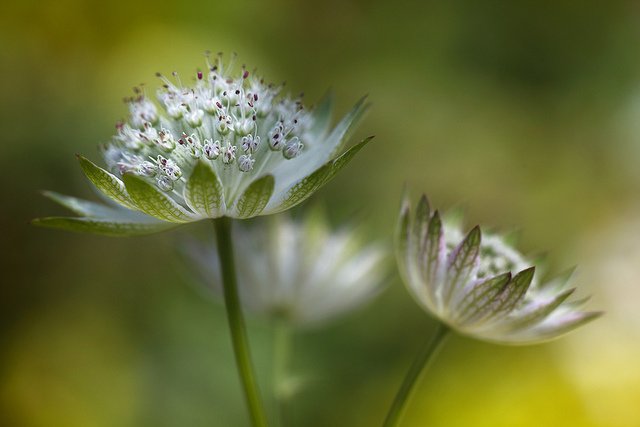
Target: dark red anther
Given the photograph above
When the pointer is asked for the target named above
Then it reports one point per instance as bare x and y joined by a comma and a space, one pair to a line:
255, 96
218, 104
199, 75
245, 74
237, 92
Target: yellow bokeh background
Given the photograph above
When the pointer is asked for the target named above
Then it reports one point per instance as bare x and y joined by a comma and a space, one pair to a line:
526, 114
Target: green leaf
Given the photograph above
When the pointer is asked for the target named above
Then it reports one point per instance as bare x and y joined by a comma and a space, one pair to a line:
102, 226
79, 206
343, 129
309, 185
106, 182
151, 201
461, 262
203, 191
255, 197
322, 114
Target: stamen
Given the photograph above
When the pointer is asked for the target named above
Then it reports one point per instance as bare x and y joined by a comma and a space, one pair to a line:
194, 118
170, 168
217, 117
228, 153
164, 183
147, 169
250, 144
292, 148
245, 163
211, 149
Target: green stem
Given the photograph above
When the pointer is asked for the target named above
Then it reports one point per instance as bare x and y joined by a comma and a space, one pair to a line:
281, 352
413, 376
236, 322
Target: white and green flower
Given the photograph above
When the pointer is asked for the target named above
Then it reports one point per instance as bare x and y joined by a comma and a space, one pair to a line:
480, 285
301, 272
228, 145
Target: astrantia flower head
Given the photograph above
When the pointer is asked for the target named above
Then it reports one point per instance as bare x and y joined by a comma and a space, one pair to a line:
301, 272
229, 145
478, 284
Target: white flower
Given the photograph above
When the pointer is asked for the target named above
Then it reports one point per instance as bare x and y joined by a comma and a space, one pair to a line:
479, 285
227, 145
300, 271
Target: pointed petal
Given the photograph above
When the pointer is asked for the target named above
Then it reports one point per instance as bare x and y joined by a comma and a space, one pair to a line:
79, 206
309, 185
478, 302
514, 291
255, 197
108, 183
553, 327
102, 226
560, 281
433, 254
402, 237
203, 191
421, 225
343, 130
322, 115
566, 323
461, 263
537, 311
153, 202
321, 150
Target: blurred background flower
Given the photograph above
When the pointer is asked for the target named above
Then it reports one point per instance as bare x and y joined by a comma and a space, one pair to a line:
526, 112
299, 272
479, 284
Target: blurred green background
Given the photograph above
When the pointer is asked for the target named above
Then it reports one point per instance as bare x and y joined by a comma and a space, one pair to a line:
525, 113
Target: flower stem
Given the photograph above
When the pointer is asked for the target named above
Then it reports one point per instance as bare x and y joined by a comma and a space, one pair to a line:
281, 351
236, 322
413, 376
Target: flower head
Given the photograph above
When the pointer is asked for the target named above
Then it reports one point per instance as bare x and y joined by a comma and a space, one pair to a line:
230, 145
299, 271
480, 285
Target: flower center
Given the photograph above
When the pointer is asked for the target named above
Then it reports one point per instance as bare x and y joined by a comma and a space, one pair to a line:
235, 123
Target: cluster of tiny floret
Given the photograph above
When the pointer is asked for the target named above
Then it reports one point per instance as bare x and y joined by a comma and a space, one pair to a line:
222, 119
